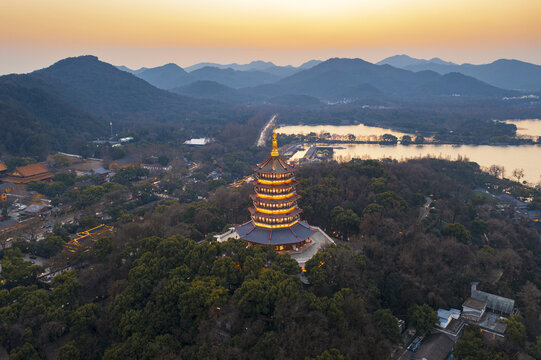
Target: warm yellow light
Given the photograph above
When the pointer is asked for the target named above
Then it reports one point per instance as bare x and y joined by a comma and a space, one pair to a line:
275, 226
265, 211
264, 196
274, 182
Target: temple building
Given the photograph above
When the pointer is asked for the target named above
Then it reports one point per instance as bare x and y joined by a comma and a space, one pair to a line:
275, 215
28, 173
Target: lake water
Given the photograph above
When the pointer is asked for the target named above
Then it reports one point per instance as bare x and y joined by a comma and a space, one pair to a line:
526, 157
527, 127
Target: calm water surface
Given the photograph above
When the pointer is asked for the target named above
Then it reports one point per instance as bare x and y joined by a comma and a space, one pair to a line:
526, 157
528, 127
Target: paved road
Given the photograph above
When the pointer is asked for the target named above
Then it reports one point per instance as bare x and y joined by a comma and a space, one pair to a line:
425, 210
266, 131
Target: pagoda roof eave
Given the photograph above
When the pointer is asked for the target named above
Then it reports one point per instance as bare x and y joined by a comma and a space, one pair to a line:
274, 165
295, 234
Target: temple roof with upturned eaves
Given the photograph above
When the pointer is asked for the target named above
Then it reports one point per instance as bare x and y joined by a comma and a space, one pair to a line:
294, 234
274, 165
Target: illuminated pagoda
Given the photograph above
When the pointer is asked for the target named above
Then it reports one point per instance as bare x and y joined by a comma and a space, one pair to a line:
275, 215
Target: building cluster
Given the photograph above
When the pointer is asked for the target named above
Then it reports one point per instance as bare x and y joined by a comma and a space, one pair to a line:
488, 311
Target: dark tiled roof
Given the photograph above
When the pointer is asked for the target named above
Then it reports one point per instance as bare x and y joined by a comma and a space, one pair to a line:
32, 170
101, 171
474, 303
435, 347
275, 164
291, 235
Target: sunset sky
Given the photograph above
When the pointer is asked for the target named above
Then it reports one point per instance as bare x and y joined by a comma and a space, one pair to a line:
35, 33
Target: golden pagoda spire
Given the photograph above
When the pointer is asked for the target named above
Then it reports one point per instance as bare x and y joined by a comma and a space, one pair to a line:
274, 151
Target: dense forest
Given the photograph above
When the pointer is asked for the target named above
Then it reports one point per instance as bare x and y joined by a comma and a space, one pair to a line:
157, 290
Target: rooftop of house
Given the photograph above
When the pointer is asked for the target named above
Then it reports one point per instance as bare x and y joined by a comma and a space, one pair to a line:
494, 302
101, 171
493, 322
474, 303
436, 347
30, 170
3, 166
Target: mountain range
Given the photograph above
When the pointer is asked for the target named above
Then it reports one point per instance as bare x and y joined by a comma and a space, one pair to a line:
170, 76
502, 73
396, 77
338, 80
71, 101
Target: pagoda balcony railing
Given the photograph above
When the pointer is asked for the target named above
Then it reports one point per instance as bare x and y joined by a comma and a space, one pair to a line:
276, 186
275, 196
274, 206
273, 176
275, 182
275, 218
281, 201
275, 211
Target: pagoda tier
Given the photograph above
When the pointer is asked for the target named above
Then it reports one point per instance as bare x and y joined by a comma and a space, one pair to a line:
275, 213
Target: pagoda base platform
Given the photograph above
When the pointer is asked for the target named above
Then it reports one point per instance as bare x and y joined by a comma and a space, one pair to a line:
301, 252
280, 239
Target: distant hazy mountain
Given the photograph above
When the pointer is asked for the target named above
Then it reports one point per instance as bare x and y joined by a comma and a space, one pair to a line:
205, 89
354, 79
167, 76
233, 78
404, 61
254, 65
127, 69
456, 84
172, 76
503, 73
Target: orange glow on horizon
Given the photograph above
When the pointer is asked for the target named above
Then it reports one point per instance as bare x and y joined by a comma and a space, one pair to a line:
277, 24
36, 33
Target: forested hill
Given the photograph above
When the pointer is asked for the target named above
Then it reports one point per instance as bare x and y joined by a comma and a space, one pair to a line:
63, 106
104, 90
36, 118
154, 290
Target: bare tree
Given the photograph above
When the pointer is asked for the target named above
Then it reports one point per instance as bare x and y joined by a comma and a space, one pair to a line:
496, 171
518, 174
